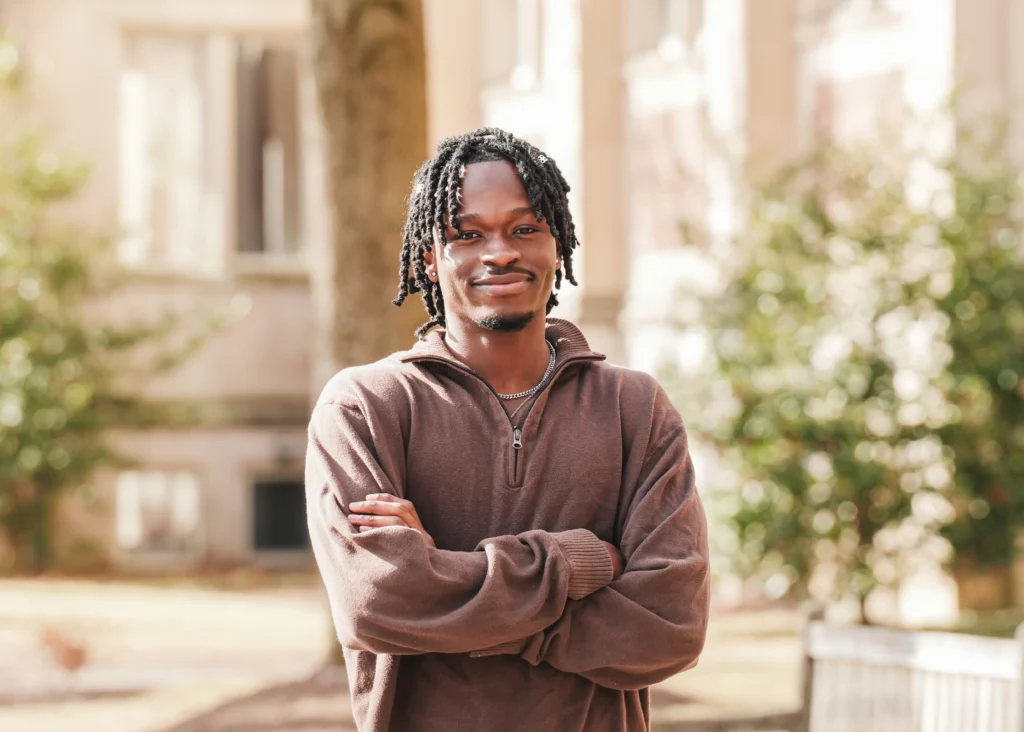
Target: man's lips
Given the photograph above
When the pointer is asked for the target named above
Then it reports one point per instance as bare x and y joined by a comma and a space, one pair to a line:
502, 285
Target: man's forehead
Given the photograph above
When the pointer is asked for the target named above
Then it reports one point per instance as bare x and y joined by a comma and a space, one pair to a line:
490, 174
492, 188
509, 213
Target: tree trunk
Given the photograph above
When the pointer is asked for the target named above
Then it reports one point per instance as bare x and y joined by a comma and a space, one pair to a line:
370, 68
370, 72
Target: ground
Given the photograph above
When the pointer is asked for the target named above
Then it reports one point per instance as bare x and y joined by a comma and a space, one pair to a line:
174, 657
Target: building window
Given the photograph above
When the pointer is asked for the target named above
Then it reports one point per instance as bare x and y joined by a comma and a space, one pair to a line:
187, 102
279, 515
166, 194
268, 144
158, 512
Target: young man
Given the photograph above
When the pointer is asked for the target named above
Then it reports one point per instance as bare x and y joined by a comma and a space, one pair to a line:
507, 525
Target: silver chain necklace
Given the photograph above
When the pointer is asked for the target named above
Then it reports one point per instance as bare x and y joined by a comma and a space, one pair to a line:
534, 390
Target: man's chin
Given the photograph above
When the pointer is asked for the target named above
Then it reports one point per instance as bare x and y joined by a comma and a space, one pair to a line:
506, 322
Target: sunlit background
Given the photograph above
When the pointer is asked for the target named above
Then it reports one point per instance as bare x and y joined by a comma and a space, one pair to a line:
804, 216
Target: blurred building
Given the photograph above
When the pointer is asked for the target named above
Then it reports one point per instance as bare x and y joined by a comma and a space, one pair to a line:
200, 115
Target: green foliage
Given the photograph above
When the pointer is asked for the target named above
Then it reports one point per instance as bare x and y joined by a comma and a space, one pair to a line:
59, 367
998, 624
863, 384
985, 305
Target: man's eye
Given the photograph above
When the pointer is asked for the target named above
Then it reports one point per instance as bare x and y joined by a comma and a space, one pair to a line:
525, 230
466, 235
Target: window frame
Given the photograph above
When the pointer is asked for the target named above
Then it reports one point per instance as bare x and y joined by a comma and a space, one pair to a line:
143, 555
226, 33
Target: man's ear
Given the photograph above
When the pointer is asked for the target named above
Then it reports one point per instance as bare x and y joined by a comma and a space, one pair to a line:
428, 259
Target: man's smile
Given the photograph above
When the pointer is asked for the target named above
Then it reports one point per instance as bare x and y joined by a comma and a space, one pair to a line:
503, 285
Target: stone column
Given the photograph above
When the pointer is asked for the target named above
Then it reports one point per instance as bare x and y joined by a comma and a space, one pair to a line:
752, 78
603, 262
981, 56
772, 75
452, 29
725, 79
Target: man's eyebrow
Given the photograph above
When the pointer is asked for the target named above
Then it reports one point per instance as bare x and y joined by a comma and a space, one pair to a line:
461, 218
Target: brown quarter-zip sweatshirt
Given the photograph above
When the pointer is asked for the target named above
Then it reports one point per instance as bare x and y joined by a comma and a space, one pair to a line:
512, 622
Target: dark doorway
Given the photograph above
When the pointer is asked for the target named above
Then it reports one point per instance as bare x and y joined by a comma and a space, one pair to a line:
279, 515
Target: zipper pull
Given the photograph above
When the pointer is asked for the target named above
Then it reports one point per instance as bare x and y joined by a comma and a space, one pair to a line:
517, 439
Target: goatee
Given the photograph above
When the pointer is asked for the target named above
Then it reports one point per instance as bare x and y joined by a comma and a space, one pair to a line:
506, 323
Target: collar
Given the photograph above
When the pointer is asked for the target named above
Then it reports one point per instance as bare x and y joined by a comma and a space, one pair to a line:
569, 342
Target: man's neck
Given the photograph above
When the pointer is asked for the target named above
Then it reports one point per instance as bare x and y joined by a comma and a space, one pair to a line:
509, 361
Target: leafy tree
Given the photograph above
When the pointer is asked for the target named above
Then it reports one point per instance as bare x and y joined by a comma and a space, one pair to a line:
865, 348
985, 308
60, 368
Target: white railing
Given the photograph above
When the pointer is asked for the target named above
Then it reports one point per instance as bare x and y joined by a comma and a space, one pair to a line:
862, 679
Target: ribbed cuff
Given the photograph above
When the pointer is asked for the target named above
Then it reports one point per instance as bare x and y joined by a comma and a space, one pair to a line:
513, 647
590, 566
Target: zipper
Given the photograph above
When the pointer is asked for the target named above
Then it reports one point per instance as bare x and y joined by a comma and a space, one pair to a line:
512, 476
517, 445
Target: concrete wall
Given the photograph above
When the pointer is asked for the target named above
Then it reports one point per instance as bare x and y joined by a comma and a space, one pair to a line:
226, 460
253, 378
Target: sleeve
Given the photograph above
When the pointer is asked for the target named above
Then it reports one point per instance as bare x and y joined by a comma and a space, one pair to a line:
650, 623
392, 593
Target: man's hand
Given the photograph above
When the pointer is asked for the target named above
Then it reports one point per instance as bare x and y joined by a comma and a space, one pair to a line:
618, 563
384, 509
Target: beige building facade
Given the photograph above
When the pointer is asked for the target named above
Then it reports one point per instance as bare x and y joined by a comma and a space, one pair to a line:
200, 117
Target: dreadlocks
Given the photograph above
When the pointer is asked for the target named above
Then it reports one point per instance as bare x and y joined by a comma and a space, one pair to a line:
436, 194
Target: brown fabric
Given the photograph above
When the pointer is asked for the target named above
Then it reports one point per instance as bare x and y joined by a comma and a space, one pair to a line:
511, 622
590, 567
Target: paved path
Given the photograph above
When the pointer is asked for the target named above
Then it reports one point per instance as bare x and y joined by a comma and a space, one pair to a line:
154, 655
750, 667
172, 659
319, 704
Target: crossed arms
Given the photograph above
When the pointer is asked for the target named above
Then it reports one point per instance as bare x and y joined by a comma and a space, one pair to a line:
552, 597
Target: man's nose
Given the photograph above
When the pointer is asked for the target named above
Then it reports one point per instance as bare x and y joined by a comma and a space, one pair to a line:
500, 251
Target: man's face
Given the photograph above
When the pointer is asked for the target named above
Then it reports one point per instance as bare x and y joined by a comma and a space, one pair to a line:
498, 271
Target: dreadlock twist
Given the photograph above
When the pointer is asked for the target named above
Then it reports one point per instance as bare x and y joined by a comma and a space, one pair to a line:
436, 194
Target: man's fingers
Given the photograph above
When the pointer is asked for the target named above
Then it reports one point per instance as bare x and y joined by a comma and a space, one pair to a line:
381, 508
384, 509
389, 506
385, 515
361, 519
